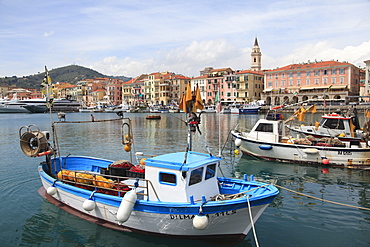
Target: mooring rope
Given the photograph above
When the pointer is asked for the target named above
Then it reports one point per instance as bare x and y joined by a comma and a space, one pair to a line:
251, 219
316, 198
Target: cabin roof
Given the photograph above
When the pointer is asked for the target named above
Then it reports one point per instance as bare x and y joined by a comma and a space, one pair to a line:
175, 160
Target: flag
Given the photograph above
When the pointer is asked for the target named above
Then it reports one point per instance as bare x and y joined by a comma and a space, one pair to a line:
198, 99
189, 95
218, 103
218, 107
367, 114
217, 97
314, 110
182, 105
301, 109
47, 80
301, 116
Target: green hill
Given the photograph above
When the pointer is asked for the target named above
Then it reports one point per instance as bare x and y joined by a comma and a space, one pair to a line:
71, 74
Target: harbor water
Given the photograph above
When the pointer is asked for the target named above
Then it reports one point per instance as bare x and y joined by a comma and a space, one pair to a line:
292, 219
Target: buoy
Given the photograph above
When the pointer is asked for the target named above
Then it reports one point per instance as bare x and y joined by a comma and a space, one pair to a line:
265, 147
89, 205
236, 152
51, 190
142, 161
238, 142
200, 221
125, 208
325, 161
127, 148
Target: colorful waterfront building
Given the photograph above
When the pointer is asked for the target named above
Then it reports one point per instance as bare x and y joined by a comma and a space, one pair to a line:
312, 80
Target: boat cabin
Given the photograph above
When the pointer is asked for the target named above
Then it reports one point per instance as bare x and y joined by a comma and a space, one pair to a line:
348, 125
182, 177
267, 130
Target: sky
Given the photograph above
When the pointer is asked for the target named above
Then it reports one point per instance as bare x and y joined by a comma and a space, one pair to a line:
130, 37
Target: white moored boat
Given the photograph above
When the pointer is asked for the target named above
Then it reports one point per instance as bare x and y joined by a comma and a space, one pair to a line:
345, 127
176, 194
268, 140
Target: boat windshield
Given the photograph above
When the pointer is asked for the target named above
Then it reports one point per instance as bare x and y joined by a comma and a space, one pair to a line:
333, 124
265, 127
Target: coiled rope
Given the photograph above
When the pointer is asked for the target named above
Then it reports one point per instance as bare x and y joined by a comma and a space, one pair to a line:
316, 198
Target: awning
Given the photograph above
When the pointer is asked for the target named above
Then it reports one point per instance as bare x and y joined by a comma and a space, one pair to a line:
339, 87
310, 88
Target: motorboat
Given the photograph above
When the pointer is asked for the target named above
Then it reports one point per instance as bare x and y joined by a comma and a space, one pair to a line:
269, 140
250, 108
13, 107
343, 126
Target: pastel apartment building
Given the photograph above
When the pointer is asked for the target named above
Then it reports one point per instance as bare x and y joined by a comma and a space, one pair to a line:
312, 80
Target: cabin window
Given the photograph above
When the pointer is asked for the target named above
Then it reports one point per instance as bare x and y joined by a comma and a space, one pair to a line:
211, 171
196, 176
265, 127
167, 178
334, 124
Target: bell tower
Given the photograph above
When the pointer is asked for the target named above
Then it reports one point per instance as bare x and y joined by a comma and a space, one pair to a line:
256, 57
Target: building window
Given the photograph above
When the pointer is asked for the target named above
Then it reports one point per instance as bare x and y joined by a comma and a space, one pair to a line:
290, 74
290, 83
276, 83
325, 80
341, 79
316, 81
307, 81
333, 80
325, 72
283, 75
317, 72
334, 71
270, 76
298, 82
283, 83
308, 73
341, 71
276, 76
246, 85
228, 94
298, 74
269, 84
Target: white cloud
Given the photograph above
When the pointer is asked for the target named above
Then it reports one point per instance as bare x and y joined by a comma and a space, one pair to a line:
197, 55
48, 34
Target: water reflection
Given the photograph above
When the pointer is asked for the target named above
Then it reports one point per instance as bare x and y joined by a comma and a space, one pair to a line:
291, 220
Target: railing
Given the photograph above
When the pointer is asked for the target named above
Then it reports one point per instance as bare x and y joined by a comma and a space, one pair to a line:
106, 184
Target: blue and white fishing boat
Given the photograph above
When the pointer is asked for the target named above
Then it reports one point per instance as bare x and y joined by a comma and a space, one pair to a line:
175, 195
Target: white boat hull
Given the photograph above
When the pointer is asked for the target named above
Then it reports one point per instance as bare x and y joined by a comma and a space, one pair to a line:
337, 156
173, 222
